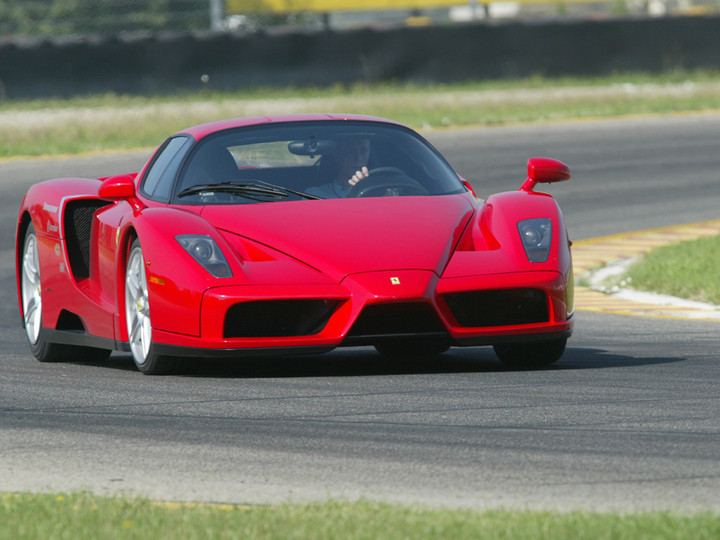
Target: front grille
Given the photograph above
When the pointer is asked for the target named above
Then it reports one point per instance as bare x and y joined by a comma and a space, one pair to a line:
277, 318
397, 318
499, 308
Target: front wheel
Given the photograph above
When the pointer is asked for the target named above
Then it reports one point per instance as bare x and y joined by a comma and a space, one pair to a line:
137, 317
531, 355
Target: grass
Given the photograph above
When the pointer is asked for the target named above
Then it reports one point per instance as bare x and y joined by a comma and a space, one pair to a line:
81, 516
686, 270
104, 122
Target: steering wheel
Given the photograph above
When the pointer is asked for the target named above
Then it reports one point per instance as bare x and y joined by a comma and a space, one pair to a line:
378, 182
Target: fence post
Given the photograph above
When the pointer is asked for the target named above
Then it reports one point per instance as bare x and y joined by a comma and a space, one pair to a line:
216, 14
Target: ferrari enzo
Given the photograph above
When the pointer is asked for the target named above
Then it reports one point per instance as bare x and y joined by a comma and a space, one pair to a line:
293, 234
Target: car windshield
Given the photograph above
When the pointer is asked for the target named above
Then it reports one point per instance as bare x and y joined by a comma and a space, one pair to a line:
312, 160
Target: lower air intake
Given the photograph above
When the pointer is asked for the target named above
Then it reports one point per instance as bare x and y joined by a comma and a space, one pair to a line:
398, 318
499, 308
277, 318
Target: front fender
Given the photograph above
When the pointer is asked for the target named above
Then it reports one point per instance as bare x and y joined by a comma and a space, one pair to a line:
176, 282
492, 242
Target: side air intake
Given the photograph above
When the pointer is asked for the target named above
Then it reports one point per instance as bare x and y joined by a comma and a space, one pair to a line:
78, 230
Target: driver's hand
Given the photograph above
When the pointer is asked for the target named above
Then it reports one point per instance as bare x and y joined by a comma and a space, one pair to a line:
358, 176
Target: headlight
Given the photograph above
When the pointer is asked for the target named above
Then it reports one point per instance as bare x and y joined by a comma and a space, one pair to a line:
536, 236
206, 252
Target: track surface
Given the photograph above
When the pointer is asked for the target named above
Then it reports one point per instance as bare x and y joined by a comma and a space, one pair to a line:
629, 418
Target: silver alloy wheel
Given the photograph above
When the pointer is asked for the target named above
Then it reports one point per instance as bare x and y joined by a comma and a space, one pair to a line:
137, 309
31, 289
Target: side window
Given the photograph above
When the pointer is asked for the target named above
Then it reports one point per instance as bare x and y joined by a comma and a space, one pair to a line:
159, 178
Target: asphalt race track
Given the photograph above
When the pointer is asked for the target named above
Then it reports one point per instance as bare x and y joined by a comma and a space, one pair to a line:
628, 419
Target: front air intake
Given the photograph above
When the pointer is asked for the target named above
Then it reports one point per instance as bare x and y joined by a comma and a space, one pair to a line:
397, 319
499, 307
277, 318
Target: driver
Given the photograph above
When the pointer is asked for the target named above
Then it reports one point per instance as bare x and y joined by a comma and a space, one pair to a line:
351, 156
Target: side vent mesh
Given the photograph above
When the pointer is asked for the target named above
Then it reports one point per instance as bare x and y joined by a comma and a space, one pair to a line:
78, 230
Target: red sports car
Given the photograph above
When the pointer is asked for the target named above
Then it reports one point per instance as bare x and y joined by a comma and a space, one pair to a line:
293, 234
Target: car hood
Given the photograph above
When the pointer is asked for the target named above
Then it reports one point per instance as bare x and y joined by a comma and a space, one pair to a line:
347, 236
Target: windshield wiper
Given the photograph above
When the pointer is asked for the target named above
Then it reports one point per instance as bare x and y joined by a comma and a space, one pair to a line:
257, 187
247, 190
288, 190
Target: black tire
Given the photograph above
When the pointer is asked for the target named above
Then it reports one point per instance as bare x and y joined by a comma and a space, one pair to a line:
531, 355
31, 293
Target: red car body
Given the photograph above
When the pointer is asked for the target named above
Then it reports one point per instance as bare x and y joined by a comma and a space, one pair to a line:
408, 274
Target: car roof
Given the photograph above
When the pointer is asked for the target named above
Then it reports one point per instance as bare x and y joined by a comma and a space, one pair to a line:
203, 130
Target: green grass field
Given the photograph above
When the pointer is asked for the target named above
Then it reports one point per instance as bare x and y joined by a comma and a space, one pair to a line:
687, 270
107, 122
83, 516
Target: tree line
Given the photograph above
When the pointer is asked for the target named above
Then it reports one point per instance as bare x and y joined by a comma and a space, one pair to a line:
82, 17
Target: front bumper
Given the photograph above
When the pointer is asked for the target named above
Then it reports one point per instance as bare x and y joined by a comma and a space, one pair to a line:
372, 307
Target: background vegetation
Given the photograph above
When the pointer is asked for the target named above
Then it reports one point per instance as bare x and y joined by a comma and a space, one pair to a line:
686, 270
94, 123
81, 17
84, 516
